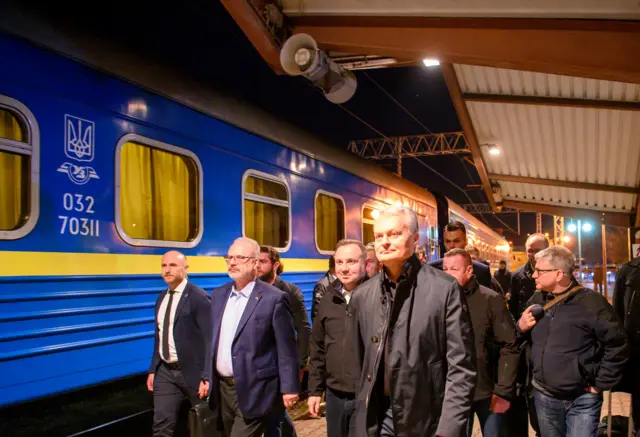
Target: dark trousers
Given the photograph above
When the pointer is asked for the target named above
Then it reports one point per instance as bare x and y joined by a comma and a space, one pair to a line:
490, 422
281, 428
234, 423
169, 391
517, 419
635, 412
340, 412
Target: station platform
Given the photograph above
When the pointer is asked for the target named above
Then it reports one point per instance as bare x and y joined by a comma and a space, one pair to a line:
307, 426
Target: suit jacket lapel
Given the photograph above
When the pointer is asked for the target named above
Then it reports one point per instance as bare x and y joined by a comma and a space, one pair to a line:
220, 302
254, 299
181, 303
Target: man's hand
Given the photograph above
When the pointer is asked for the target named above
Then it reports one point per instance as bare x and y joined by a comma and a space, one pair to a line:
289, 399
314, 406
499, 405
593, 390
527, 321
203, 391
150, 379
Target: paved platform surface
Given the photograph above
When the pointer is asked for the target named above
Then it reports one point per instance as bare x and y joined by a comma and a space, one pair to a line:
310, 427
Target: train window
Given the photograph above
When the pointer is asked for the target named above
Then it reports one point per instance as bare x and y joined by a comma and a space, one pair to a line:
19, 169
369, 215
267, 211
329, 221
158, 193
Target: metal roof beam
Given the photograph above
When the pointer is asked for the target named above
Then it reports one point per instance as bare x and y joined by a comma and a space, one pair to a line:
411, 146
485, 208
552, 101
599, 49
607, 218
564, 184
260, 27
469, 131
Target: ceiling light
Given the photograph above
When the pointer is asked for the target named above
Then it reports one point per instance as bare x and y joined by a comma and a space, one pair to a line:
494, 151
430, 62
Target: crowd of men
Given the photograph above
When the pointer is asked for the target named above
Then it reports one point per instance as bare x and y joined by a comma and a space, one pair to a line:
399, 347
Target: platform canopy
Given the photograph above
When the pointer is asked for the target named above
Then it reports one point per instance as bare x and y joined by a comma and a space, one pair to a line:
553, 85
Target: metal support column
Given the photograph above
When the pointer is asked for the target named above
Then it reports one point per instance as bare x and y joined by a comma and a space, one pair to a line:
539, 223
604, 259
399, 158
518, 222
558, 230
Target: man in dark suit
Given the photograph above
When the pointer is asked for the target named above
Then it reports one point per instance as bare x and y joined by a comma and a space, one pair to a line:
455, 237
182, 330
252, 363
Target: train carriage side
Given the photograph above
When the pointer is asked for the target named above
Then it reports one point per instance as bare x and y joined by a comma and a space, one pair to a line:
101, 177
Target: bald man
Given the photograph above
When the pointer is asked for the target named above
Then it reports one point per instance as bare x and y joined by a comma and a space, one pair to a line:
182, 330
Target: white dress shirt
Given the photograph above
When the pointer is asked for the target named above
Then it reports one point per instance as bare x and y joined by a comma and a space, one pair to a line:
233, 311
173, 355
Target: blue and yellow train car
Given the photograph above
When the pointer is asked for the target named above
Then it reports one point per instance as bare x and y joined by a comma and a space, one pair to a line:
105, 167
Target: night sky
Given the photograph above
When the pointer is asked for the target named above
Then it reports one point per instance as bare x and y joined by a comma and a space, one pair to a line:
202, 40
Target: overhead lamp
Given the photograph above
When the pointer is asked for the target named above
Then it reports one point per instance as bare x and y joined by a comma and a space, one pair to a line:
430, 62
571, 227
566, 238
587, 227
494, 150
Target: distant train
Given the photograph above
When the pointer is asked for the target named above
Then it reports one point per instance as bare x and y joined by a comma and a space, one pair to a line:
105, 166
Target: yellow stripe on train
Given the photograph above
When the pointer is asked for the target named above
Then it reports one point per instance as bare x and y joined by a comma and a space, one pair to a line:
81, 264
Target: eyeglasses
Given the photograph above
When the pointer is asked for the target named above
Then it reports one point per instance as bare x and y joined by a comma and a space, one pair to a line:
239, 258
541, 272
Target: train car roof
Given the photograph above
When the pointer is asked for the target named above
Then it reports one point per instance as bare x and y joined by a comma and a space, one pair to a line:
164, 81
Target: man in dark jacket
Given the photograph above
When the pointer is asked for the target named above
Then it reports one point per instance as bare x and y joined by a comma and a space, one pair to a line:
455, 237
579, 348
179, 348
626, 302
414, 341
523, 286
332, 367
269, 269
503, 276
496, 350
321, 287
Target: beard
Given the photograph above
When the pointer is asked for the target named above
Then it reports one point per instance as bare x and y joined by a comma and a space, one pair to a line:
268, 277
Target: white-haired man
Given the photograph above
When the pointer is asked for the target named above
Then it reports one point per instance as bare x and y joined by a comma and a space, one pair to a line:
414, 341
252, 365
579, 348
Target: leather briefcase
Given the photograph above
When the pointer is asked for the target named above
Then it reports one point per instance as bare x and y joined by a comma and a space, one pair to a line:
202, 421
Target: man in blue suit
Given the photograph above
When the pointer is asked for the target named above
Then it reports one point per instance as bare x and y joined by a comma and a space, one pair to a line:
455, 237
182, 330
252, 363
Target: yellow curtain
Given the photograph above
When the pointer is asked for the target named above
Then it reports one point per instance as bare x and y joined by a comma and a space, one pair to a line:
329, 222
266, 223
14, 176
158, 192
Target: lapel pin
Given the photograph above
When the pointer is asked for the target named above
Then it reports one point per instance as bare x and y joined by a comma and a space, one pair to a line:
257, 297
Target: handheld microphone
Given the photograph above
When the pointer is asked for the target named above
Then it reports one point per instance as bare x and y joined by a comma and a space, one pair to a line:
537, 311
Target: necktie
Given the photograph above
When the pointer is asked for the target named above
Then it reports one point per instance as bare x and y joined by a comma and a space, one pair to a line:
165, 327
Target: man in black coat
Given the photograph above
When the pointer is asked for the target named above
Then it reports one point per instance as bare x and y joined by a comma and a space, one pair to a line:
578, 348
332, 367
497, 351
182, 331
626, 302
321, 287
503, 276
455, 237
269, 270
414, 340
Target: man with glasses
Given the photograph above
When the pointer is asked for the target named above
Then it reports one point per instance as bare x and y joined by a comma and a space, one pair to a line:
252, 367
332, 367
578, 348
269, 270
